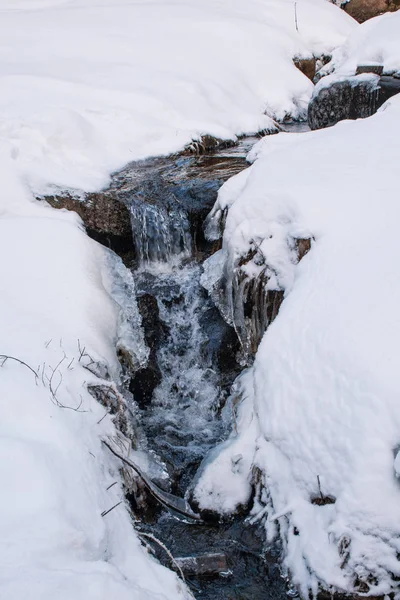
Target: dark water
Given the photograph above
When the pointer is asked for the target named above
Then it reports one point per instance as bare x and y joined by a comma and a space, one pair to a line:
192, 366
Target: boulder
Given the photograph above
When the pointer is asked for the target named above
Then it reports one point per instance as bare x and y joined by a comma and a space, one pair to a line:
357, 97
107, 220
361, 10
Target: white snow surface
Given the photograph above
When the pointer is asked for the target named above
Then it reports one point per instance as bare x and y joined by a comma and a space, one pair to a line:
374, 42
88, 85
55, 288
325, 383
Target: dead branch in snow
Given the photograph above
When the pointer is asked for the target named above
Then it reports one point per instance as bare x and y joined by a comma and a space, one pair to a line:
5, 357
105, 512
174, 503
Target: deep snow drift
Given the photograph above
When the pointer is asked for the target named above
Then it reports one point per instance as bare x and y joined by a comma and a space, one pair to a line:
322, 397
375, 42
56, 287
88, 85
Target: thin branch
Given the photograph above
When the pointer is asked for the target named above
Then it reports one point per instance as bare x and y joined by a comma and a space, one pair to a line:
319, 487
105, 512
5, 357
295, 17
98, 422
110, 486
174, 503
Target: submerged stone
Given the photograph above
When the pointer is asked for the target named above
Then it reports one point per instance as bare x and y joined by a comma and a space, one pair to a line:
214, 563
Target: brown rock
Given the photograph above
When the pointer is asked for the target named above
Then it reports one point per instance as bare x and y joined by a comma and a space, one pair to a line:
107, 220
307, 66
361, 10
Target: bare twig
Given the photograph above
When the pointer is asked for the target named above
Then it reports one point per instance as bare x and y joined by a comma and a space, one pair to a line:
105, 512
110, 486
319, 487
5, 357
295, 16
52, 375
175, 503
103, 417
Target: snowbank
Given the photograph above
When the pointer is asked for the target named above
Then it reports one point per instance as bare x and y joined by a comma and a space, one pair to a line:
325, 383
88, 85
375, 42
55, 287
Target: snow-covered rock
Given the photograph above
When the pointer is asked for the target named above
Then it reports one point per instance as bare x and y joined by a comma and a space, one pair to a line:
351, 85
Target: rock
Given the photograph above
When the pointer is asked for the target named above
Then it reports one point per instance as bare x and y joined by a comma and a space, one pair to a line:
307, 66
116, 405
374, 69
207, 143
222, 345
361, 10
106, 219
144, 381
355, 98
204, 564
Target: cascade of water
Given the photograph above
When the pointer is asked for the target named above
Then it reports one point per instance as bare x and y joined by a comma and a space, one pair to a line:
181, 420
160, 233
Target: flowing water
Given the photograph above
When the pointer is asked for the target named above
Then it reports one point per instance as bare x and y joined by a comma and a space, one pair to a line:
192, 365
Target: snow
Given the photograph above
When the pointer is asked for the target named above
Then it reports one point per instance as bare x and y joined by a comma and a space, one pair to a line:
55, 291
324, 384
375, 42
86, 86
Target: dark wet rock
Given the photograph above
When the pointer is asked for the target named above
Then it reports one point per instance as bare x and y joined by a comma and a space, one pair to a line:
355, 98
106, 219
254, 307
361, 10
222, 345
374, 69
307, 66
254, 571
169, 199
206, 144
116, 406
144, 381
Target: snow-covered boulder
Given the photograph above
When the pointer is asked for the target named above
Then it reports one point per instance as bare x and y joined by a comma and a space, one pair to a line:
362, 75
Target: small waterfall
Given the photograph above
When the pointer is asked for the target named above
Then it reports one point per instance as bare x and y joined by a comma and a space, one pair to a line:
160, 233
181, 421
